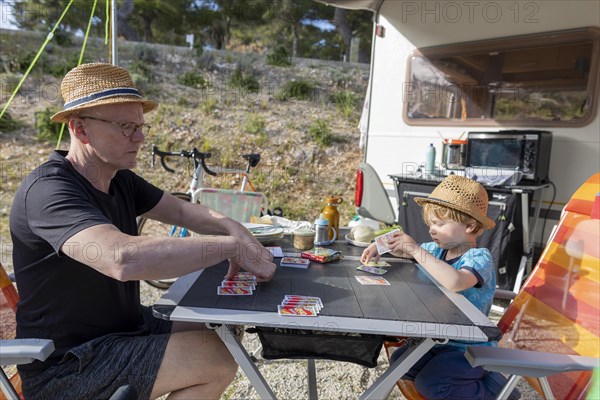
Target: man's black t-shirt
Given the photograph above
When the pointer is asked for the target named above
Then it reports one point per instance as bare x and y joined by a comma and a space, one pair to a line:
60, 298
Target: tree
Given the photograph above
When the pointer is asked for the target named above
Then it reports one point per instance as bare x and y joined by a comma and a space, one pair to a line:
354, 24
295, 15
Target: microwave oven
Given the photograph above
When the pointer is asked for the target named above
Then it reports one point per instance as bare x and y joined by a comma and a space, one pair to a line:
527, 151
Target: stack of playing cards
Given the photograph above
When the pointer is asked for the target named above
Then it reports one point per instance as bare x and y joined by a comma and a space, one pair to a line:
382, 242
295, 262
300, 306
321, 254
242, 284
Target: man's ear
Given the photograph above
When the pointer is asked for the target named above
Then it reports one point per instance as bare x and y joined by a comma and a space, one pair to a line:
78, 130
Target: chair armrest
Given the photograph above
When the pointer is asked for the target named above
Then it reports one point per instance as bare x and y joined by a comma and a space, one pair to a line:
527, 363
24, 351
504, 294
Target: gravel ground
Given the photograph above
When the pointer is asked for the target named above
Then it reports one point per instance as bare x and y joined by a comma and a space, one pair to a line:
335, 380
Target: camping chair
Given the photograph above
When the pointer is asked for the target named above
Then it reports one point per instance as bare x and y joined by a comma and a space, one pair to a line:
552, 327
235, 204
15, 351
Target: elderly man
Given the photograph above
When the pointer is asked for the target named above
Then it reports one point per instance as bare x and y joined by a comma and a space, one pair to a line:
78, 259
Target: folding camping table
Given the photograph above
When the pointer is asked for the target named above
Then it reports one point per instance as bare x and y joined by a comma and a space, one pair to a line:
412, 305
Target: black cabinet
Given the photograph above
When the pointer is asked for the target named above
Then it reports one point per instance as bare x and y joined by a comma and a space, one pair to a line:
505, 241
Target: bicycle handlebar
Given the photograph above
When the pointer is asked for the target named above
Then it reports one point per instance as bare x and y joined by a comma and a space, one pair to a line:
197, 156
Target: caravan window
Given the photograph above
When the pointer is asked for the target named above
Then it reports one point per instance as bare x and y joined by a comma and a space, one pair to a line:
534, 80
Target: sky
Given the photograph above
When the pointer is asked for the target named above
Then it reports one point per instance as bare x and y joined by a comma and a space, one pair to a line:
6, 15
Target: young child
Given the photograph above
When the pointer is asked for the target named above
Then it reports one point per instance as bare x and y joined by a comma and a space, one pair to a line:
456, 215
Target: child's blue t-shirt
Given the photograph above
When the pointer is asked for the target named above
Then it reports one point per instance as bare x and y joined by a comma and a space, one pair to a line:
479, 262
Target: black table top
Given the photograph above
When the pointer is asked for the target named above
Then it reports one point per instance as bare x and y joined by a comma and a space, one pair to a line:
411, 296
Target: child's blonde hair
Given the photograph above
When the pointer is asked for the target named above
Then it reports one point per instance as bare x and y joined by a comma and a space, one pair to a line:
444, 214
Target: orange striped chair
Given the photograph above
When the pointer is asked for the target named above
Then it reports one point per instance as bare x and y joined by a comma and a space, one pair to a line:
552, 328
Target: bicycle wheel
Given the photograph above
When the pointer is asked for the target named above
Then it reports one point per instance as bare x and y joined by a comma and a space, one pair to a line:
150, 227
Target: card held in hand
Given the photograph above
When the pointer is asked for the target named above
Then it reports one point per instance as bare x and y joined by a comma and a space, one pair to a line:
382, 242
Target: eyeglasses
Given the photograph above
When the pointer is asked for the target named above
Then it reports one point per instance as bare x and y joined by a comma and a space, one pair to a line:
127, 128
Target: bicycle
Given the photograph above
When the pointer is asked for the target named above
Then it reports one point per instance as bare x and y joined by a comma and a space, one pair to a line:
150, 227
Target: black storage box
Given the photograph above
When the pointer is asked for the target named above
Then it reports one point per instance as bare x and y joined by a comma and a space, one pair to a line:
357, 348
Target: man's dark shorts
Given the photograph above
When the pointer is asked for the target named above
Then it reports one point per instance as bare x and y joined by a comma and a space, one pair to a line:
96, 369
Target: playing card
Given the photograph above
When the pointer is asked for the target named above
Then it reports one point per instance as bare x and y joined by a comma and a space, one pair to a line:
382, 242
276, 251
309, 303
373, 270
305, 311
296, 262
295, 297
246, 284
371, 280
233, 291
377, 264
243, 276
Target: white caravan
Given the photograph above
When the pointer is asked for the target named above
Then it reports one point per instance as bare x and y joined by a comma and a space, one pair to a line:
518, 80
442, 69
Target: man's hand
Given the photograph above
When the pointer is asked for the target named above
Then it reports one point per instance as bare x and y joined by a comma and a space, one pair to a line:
254, 258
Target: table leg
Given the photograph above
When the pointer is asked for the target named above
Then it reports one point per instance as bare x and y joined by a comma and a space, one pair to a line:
382, 387
7, 388
241, 356
312, 379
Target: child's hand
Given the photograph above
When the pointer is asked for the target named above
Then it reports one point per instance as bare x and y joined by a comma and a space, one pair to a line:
402, 245
370, 253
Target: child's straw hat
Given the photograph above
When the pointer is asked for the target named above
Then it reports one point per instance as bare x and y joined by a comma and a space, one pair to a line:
461, 194
94, 84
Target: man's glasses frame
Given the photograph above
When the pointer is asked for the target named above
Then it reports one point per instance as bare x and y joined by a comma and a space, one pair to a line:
127, 128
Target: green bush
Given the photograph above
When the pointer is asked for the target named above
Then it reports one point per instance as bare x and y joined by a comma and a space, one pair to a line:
60, 67
142, 69
301, 90
145, 86
255, 125
320, 132
46, 129
63, 38
345, 102
23, 60
279, 57
7, 123
8, 83
145, 54
248, 82
209, 105
192, 79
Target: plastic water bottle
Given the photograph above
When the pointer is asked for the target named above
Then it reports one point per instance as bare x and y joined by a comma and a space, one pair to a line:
430, 159
322, 230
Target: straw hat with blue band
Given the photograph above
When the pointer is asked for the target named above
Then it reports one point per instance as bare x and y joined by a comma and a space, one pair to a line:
90, 85
461, 194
